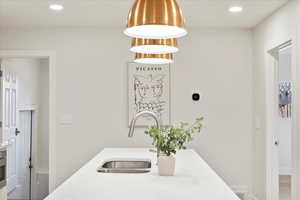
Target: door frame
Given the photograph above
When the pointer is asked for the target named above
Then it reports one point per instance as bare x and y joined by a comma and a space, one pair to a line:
271, 110
51, 56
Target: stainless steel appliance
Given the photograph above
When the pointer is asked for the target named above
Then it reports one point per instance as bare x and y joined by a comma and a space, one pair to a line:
2, 168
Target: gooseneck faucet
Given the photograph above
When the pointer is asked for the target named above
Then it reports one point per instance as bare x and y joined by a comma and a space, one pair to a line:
137, 116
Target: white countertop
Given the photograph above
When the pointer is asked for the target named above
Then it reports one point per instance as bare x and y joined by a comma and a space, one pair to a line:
193, 180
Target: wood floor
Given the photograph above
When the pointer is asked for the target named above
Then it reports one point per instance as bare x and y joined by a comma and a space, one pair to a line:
284, 187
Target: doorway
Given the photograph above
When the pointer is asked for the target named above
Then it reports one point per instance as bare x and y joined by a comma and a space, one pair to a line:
24, 155
25, 108
280, 95
284, 132
51, 56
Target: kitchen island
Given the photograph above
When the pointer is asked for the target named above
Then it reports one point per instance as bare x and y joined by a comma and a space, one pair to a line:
193, 180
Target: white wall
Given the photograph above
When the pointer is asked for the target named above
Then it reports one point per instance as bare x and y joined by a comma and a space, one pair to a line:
285, 64
275, 30
91, 79
43, 126
42, 173
218, 63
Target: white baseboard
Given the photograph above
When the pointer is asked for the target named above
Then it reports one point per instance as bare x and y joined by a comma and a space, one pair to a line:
240, 190
285, 171
15, 193
243, 191
252, 197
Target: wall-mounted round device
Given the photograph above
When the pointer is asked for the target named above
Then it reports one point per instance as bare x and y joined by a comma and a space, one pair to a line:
196, 96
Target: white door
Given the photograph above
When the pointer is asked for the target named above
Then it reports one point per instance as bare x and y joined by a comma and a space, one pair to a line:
9, 103
23, 156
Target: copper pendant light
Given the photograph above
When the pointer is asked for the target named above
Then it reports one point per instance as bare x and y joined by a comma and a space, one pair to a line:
155, 19
153, 58
154, 46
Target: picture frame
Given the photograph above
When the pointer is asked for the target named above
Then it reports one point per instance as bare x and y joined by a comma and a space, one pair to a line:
149, 89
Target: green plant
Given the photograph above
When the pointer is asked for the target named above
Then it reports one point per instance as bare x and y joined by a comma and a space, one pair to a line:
169, 139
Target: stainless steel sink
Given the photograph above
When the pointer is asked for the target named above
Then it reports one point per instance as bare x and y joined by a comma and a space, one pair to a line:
125, 166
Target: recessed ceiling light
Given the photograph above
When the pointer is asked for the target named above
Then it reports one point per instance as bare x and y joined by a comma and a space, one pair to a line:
56, 7
235, 9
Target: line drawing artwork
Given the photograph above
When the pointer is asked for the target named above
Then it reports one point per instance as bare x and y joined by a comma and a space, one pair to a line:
148, 92
149, 89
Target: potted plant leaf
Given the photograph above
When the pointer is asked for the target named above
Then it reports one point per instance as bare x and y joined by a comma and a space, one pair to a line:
168, 140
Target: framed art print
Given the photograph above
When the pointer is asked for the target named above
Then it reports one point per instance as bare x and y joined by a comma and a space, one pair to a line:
149, 89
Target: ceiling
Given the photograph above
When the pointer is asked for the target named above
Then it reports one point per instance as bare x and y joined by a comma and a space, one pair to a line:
96, 13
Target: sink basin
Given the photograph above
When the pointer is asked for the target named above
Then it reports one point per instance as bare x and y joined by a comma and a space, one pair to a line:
125, 166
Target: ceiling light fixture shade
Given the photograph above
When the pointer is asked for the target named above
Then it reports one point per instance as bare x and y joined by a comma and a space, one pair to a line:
153, 58
155, 19
154, 46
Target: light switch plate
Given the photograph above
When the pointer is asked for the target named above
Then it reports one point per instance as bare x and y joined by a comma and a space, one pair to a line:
66, 119
257, 122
